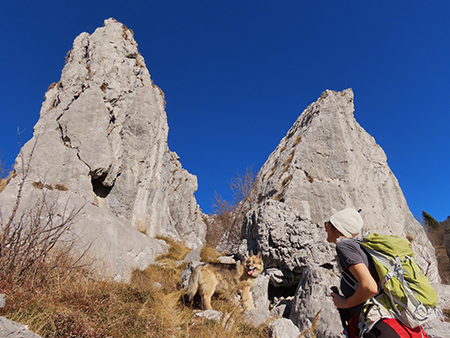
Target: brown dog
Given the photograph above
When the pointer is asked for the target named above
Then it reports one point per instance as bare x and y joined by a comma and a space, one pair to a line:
211, 278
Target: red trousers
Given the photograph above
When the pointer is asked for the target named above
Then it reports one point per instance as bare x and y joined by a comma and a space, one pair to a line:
386, 328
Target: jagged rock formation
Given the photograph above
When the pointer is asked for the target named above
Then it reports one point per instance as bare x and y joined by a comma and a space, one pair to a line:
102, 139
326, 162
287, 241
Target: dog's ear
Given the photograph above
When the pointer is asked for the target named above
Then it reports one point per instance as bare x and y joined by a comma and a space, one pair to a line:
259, 255
251, 253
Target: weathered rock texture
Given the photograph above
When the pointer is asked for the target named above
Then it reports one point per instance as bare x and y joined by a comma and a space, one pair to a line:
102, 135
312, 299
326, 162
10, 329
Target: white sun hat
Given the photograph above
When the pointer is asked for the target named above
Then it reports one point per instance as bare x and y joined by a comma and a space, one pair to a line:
348, 221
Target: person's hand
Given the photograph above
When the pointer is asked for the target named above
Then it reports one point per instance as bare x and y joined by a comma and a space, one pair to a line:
339, 301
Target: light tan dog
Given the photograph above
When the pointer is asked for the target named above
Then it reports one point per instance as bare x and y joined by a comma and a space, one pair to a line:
211, 278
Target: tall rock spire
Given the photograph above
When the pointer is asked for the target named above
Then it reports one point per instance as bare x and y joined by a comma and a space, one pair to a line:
102, 134
325, 163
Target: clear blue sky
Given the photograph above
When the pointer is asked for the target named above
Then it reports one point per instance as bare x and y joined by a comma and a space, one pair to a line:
237, 74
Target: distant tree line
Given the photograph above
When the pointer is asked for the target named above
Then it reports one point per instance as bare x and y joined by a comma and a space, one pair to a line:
436, 234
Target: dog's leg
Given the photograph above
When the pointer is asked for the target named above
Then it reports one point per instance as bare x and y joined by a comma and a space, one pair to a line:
207, 288
207, 294
247, 298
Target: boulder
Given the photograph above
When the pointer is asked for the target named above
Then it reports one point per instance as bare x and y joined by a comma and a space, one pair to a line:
10, 329
101, 142
313, 299
282, 328
256, 317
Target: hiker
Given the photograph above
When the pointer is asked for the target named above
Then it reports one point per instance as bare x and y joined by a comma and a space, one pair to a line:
357, 268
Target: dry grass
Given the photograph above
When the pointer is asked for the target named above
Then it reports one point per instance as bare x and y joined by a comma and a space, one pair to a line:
177, 251
286, 180
5, 180
3, 183
209, 254
230, 325
163, 96
79, 307
446, 314
37, 184
152, 304
288, 160
308, 176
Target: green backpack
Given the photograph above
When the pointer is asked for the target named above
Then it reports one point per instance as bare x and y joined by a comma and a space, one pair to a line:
406, 292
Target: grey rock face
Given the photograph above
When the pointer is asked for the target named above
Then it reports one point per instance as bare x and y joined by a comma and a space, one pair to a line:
10, 329
288, 243
102, 135
325, 163
443, 292
313, 295
438, 328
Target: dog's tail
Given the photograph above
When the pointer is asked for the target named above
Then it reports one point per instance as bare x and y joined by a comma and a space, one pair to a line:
193, 284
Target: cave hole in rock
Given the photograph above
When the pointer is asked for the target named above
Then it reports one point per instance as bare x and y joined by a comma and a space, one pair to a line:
327, 266
281, 291
99, 189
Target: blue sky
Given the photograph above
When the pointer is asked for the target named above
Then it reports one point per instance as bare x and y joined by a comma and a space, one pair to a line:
237, 74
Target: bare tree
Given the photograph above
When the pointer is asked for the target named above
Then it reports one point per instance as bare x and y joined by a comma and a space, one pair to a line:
31, 241
226, 223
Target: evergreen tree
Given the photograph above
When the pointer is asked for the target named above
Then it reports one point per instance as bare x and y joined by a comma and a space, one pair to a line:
429, 221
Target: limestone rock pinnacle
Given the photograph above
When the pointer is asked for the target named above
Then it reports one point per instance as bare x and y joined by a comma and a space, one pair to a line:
102, 134
325, 163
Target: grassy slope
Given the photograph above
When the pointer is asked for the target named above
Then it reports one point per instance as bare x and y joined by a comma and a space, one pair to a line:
151, 305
